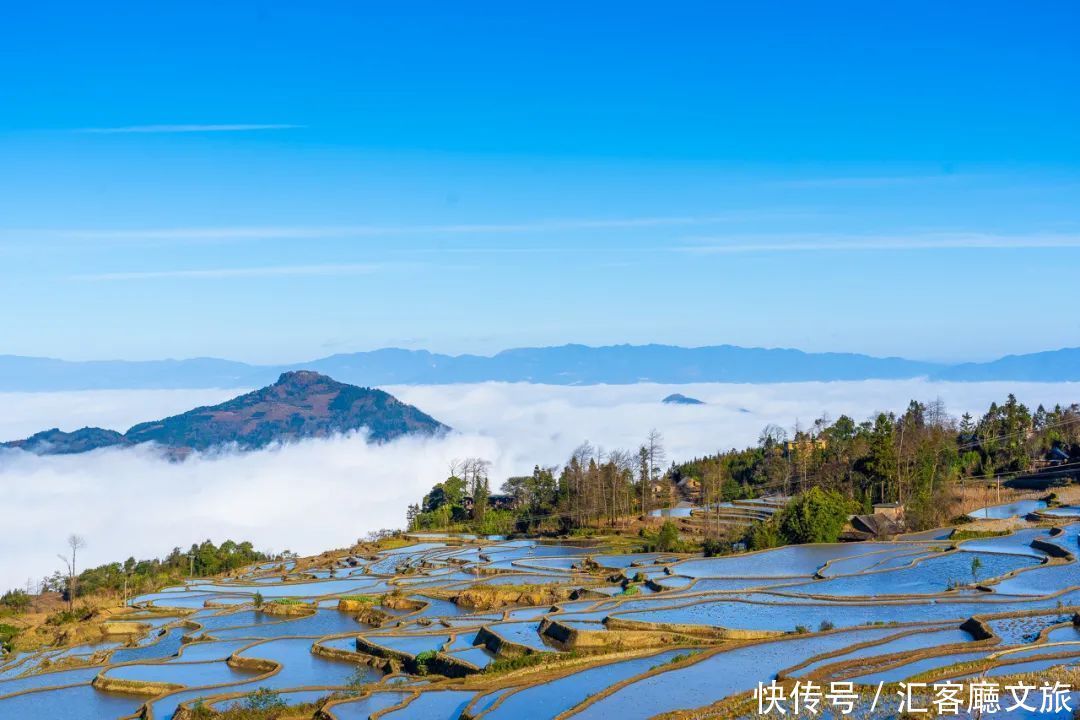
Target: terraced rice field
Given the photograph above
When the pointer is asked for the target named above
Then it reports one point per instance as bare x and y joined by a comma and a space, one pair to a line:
627, 636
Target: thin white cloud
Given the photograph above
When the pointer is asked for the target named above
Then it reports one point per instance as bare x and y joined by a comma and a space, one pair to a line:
213, 128
874, 243
305, 232
868, 181
229, 273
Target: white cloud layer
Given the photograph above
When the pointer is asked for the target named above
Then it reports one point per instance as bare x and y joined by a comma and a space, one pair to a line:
321, 494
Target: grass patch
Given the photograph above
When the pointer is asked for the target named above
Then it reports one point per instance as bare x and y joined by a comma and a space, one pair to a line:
978, 534
7, 635
529, 660
526, 588
363, 599
261, 704
675, 659
287, 601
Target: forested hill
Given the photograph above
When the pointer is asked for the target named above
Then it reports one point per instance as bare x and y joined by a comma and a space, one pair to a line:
299, 405
563, 365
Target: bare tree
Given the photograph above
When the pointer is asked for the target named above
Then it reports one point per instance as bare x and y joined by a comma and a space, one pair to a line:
75, 543
657, 454
643, 476
622, 467
771, 436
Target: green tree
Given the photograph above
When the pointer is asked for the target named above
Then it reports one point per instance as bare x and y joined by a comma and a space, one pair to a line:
763, 535
17, 601
667, 540
816, 516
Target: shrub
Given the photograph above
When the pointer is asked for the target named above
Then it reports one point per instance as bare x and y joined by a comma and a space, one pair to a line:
825, 626
763, 535
261, 700
7, 635
713, 547
815, 516
495, 522
422, 660
801, 630
257, 598
64, 617
667, 540
16, 601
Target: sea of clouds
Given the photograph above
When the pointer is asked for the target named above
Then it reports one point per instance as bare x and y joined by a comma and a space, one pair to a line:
321, 494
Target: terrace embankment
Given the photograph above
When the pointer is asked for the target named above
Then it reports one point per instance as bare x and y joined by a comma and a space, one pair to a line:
437, 663
493, 597
699, 631
287, 608
574, 638
134, 687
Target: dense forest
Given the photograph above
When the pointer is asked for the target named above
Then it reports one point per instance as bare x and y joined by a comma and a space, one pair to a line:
921, 457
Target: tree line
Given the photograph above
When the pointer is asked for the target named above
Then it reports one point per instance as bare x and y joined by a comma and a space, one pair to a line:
133, 577
919, 457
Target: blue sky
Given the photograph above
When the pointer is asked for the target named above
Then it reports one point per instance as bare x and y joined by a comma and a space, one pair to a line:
280, 181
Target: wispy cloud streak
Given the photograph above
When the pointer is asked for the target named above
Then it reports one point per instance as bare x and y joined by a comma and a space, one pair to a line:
868, 181
209, 128
304, 232
874, 243
231, 273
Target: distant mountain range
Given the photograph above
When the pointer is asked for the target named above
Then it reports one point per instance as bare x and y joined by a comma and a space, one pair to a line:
301, 404
563, 365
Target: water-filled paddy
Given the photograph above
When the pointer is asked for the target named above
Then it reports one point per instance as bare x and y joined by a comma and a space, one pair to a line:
906, 670
1020, 508
322, 622
45, 680
479, 657
913, 641
902, 597
551, 698
77, 703
932, 575
187, 674
410, 644
301, 668
794, 561
216, 650
718, 676
435, 705
364, 708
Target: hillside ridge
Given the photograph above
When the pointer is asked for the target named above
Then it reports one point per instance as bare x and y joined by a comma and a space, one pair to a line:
301, 404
